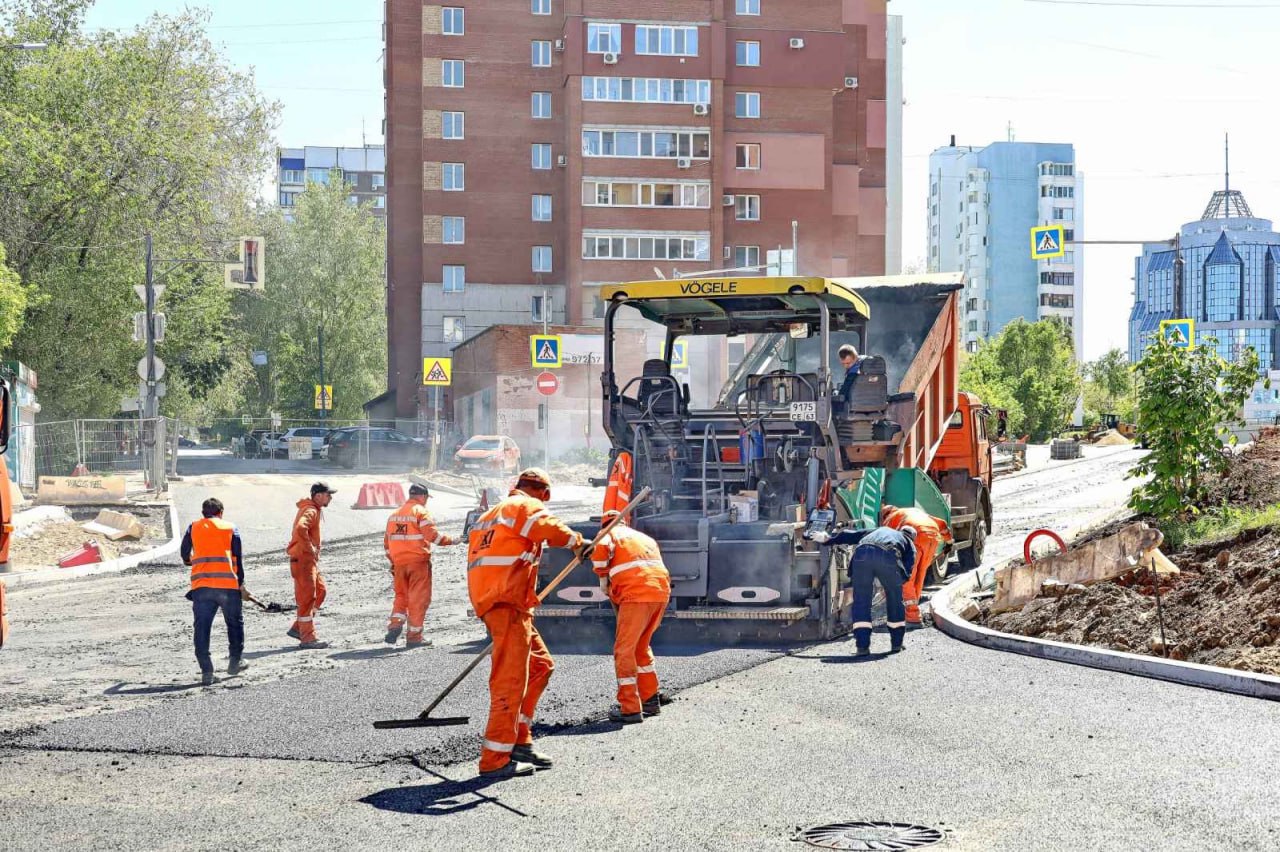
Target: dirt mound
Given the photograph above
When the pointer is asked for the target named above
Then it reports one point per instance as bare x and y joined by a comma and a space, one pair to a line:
1112, 438
1253, 479
1222, 610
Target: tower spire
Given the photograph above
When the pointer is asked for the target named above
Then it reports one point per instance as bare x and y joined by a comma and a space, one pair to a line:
1227, 203
1226, 153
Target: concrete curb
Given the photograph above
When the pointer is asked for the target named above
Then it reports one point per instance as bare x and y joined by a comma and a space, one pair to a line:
20, 579
1175, 671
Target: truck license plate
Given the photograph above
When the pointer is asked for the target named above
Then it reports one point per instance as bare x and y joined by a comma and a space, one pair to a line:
804, 411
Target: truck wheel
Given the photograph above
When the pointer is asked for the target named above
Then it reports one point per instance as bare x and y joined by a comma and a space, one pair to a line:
971, 556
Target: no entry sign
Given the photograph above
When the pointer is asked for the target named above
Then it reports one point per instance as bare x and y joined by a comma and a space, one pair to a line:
548, 384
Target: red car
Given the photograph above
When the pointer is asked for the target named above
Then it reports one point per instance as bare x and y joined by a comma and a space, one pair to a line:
487, 454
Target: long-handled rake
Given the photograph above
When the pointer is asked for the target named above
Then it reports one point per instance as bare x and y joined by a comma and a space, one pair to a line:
424, 719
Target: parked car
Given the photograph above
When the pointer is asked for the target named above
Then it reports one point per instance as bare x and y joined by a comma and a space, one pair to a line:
385, 447
258, 442
488, 453
317, 434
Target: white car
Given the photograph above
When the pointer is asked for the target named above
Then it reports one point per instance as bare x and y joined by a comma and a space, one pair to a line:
319, 449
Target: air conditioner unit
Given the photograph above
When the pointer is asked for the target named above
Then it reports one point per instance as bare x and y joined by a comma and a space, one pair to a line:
797, 43
684, 163
559, 45
851, 82
726, 200
611, 59
701, 109
562, 161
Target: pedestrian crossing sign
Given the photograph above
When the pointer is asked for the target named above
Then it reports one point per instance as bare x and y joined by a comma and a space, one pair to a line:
324, 397
437, 372
680, 355
1048, 241
545, 349
1180, 332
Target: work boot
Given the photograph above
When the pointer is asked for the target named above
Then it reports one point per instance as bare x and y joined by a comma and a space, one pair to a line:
895, 649
896, 635
526, 754
207, 679
417, 643
314, 644
236, 666
862, 651
293, 633
509, 769
616, 715
393, 633
652, 705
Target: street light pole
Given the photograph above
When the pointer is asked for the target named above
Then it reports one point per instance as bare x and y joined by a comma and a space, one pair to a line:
324, 396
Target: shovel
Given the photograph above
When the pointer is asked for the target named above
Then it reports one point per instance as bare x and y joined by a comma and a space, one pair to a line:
424, 719
269, 607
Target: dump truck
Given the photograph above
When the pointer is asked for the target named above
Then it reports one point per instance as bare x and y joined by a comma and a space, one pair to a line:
739, 482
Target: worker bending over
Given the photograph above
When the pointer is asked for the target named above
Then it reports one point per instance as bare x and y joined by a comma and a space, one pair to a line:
502, 577
631, 572
885, 555
410, 534
931, 532
211, 548
304, 564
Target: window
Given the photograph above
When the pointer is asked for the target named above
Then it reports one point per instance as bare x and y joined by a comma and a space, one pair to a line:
1057, 169
453, 20
1058, 279
973, 325
379, 180
541, 104
657, 144
293, 176
745, 257
1066, 214
653, 40
972, 305
747, 104
455, 279
453, 177
1057, 300
619, 245
353, 200
454, 230
1057, 192
654, 90
747, 208
452, 72
288, 199
541, 155
455, 329
641, 193
380, 202
748, 7
748, 54
453, 125
542, 208
1068, 235
540, 7
604, 38
535, 308
748, 155
542, 258
318, 175
541, 51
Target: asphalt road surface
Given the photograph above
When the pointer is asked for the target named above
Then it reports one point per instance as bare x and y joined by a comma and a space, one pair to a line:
106, 743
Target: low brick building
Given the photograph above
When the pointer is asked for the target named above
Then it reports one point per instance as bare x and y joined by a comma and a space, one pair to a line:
494, 388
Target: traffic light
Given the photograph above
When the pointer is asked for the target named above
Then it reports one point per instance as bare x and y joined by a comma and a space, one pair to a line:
249, 273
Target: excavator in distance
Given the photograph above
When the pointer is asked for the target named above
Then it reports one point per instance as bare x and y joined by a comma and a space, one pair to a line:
741, 483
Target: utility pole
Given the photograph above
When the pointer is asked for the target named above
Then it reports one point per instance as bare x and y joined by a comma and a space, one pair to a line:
795, 248
152, 403
324, 397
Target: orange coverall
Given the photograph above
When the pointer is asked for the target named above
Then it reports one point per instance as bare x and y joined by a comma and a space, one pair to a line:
618, 492
410, 533
641, 587
931, 532
304, 564
502, 577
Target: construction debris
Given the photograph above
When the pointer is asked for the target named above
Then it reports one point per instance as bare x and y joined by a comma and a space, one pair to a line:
70, 490
115, 525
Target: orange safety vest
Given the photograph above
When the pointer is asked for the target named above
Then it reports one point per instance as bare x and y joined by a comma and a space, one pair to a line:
621, 476
632, 562
924, 523
211, 565
504, 548
410, 533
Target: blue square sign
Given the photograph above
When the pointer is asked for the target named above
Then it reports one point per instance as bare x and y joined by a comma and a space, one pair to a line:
1181, 331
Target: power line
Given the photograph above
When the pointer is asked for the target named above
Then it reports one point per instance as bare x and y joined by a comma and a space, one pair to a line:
277, 42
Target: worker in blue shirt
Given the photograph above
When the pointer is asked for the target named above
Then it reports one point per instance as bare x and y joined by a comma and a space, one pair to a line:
882, 554
211, 548
852, 363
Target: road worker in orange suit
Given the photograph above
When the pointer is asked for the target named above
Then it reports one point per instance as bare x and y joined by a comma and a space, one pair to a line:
502, 576
617, 494
304, 564
631, 572
411, 533
931, 532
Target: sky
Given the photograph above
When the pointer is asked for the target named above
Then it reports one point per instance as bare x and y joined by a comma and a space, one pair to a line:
1145, 91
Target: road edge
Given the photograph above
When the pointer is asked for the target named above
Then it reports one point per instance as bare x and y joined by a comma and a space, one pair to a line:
19, 579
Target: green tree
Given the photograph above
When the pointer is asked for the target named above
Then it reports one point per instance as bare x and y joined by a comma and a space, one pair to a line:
13, 301
1029, 369
104, 137
324, 271
1109, 387
1186, 399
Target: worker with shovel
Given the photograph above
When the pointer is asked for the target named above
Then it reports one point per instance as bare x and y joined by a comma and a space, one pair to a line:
304, 565
502, 576
410, 534
632, 573
211, 549
931, 532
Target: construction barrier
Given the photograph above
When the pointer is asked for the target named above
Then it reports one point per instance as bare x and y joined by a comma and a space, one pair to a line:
114, 525
380, 495
87, 554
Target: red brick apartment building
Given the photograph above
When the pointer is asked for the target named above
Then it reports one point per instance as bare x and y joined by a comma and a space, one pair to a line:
550, 146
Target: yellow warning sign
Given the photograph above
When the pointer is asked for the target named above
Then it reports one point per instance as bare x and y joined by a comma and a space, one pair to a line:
324, 397
1048, 241
437, 372
545, 349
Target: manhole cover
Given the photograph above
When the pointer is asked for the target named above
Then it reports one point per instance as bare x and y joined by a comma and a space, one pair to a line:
862, 835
